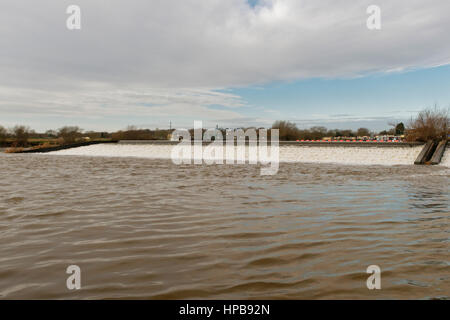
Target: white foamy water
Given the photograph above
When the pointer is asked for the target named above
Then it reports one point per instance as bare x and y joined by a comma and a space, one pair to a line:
446, 158
338, 154
351, 155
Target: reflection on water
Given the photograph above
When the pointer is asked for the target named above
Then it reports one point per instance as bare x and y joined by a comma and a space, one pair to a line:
145, 228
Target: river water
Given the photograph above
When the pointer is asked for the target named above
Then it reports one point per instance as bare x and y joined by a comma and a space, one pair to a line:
142, 227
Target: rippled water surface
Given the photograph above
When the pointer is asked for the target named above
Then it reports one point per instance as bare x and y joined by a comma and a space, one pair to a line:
148, 229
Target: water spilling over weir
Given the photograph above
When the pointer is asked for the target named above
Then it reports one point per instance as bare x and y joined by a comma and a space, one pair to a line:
287, 153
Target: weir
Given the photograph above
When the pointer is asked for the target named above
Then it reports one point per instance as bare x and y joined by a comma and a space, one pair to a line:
338, 154
439, 153
63, 147
432, 152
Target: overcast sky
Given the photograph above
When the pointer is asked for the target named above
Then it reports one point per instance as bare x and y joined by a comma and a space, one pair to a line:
230, 62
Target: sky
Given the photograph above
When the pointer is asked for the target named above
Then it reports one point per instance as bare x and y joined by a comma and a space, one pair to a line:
227, 62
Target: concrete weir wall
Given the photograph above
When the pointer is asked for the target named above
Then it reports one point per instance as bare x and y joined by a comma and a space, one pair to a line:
64, 147
295, 143
345, 153
439, 153
432, 152
352, 153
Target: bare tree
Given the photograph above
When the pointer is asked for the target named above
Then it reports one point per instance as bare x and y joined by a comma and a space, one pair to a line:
363, 132
430, 124
21, 135
318, 132
3, 135
51, 133
287, 130
69, 134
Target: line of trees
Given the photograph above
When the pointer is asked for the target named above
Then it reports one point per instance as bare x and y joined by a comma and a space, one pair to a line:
133, 133
23, 136
18, 134
430, 123
288, 131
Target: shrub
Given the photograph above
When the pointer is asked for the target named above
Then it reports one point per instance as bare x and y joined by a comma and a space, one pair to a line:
13, 150
69, 135
3, 135
363, 132
21, 135
287, 130
430, 124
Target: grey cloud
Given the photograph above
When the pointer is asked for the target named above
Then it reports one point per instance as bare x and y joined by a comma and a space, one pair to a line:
215, 43
181, 46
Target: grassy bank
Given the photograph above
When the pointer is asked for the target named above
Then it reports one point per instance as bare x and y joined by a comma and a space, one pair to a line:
48, 145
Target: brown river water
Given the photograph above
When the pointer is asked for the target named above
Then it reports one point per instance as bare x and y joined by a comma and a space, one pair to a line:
149, 229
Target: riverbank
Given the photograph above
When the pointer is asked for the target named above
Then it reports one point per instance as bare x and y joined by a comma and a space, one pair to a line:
44, 149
